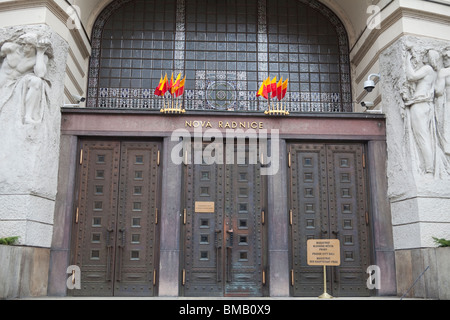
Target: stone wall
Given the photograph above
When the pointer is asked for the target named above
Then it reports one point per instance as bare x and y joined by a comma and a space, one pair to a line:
23, 272
435, 282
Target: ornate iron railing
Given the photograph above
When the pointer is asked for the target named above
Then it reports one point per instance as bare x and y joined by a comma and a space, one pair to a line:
114, 98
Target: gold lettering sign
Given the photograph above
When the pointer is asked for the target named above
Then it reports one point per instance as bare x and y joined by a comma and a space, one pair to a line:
224, 124
324, 252
204, 207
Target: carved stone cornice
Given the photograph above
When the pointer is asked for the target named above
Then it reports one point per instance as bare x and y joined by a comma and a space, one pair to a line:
389, 21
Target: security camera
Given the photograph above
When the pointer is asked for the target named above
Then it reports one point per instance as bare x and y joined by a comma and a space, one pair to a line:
369, 85
79, 98
367, 104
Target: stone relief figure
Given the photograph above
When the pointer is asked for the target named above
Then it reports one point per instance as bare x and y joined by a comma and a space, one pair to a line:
421, 105
24, 61
443, 102
422, 110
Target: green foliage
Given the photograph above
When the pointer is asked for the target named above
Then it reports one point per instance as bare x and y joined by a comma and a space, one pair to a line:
442, 242
8, 241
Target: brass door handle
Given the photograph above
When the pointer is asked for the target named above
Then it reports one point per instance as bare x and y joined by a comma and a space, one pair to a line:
121, 246
229, 263
218, 244
231, 232
108, 253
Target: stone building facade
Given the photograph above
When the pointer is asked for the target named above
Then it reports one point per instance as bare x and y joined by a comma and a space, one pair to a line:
219, 194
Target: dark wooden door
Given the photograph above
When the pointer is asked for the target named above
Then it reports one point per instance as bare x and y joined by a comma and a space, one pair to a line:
224, 242
115, 236
328, 199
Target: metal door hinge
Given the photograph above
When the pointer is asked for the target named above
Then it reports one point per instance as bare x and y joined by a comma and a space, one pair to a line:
289, 159
184, 277
81, 156
154, 277
290, 217
292, 277
158, 161
184, 216
367, 218
264, 277
263, 217
77, 215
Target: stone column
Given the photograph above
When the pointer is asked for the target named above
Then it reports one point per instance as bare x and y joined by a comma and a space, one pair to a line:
33, 64
170, 225
278, 228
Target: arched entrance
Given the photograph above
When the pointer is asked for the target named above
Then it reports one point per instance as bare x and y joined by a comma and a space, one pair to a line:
217, 229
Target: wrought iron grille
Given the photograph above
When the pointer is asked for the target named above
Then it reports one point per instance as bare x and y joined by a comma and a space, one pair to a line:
225, 49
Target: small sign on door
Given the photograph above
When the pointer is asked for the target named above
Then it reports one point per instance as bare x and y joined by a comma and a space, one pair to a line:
204, 207
325, 252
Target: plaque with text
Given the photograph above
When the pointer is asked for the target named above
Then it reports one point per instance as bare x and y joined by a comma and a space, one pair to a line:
323, 252
204, 207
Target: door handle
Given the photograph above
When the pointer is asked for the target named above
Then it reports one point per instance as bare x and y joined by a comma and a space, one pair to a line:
218, 244
335, 269
231, 232
121, 247
228, 263
108, 253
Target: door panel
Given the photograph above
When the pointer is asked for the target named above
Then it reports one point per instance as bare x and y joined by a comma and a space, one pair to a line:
203, 231
243, 209
328, 200
115, 234
96, 217
224, 249
136, 227
309, 203
348, 207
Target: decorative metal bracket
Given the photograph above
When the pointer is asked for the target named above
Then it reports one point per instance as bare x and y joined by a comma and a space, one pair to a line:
170, 108
279, 109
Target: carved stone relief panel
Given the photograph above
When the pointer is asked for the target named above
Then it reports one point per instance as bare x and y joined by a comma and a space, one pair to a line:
32, 70
416, 92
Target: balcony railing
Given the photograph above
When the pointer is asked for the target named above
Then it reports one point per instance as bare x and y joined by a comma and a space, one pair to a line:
245, 101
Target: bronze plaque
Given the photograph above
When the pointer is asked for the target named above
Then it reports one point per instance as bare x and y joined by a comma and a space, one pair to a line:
204, 206
325, 252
